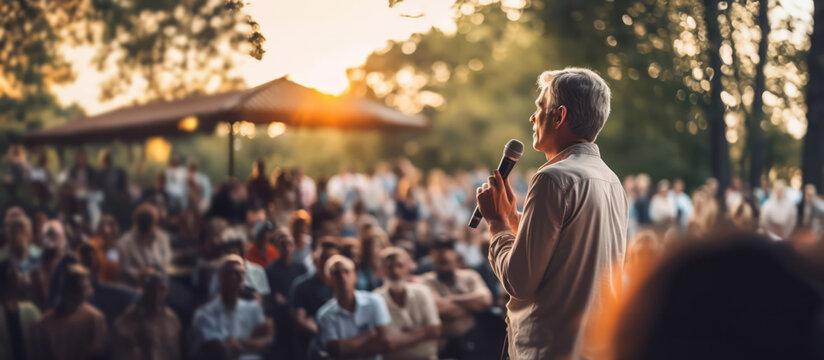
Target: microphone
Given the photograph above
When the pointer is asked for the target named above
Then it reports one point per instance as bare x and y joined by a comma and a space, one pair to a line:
512, 153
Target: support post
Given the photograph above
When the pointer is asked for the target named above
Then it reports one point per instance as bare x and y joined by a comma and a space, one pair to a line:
231, 149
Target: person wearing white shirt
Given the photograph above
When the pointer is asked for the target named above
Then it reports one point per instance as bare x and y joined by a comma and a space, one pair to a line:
415, 325
662, 208
779, 213
353, 323
239, 325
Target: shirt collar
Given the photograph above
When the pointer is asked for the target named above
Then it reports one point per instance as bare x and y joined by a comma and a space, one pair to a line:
360, 302
587, 148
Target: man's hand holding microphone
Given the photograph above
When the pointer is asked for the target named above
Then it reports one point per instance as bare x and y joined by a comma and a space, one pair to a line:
496, 201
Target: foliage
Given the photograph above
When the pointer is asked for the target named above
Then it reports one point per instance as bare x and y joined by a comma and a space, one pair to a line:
478, 84
173, 48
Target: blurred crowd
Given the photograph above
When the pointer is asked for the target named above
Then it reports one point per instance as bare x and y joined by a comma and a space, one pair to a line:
377, 265
774, 208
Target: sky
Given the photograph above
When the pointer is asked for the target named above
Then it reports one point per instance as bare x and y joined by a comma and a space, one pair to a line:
334, 35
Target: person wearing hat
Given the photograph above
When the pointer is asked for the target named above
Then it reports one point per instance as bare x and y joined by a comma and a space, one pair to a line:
459, 295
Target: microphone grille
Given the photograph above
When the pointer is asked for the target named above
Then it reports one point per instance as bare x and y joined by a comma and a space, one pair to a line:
514, 149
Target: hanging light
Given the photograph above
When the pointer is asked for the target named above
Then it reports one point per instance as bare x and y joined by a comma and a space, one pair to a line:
188, 124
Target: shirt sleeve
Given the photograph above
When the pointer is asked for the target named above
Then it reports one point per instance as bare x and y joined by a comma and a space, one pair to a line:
326, 331
166, 259
476, 283
206, 327
295, 296
257, 315
382, 317
520, 260
431, 316
125, 260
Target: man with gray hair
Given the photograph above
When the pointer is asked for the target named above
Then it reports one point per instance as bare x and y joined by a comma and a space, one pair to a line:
555, 257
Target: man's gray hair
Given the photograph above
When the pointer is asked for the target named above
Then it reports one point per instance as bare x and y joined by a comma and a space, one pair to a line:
585, 95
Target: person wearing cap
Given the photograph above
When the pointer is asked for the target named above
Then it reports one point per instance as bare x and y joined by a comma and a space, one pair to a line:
239, 324
459, 294
148, 329
415, 325
573, 230
261, 251
353, 323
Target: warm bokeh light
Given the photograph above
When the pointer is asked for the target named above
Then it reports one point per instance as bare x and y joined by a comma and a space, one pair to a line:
188, 124
158, 149
275, 129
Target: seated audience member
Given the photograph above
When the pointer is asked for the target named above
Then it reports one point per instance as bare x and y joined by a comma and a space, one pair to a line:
351, 248
74, 329
261, 251
229, 202
738, 297
55, 261
779, 214
17, 317
300, 226
459, 294
372, 240
146, 245
18, 233
111, 299
281, 273
256, 286
415, 325
240, 326
353, 323
104, 243
148, 329
258, 186
309, 292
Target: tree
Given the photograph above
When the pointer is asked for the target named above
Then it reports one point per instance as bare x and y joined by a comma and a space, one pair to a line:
812, 156
716, 109
755, 134
176, 48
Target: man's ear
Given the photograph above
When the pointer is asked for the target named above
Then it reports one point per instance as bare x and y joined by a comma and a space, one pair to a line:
562, 112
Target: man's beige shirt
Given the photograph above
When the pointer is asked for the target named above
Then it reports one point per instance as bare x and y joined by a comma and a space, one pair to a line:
572, 233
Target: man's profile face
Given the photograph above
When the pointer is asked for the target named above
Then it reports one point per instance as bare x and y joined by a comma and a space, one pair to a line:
541, 123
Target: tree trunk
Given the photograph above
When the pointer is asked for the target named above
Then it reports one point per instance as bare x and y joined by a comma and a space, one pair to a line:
812, 152
719, 148
756, 133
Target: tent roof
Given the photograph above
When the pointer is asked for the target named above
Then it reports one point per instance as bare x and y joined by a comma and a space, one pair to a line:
279, 100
